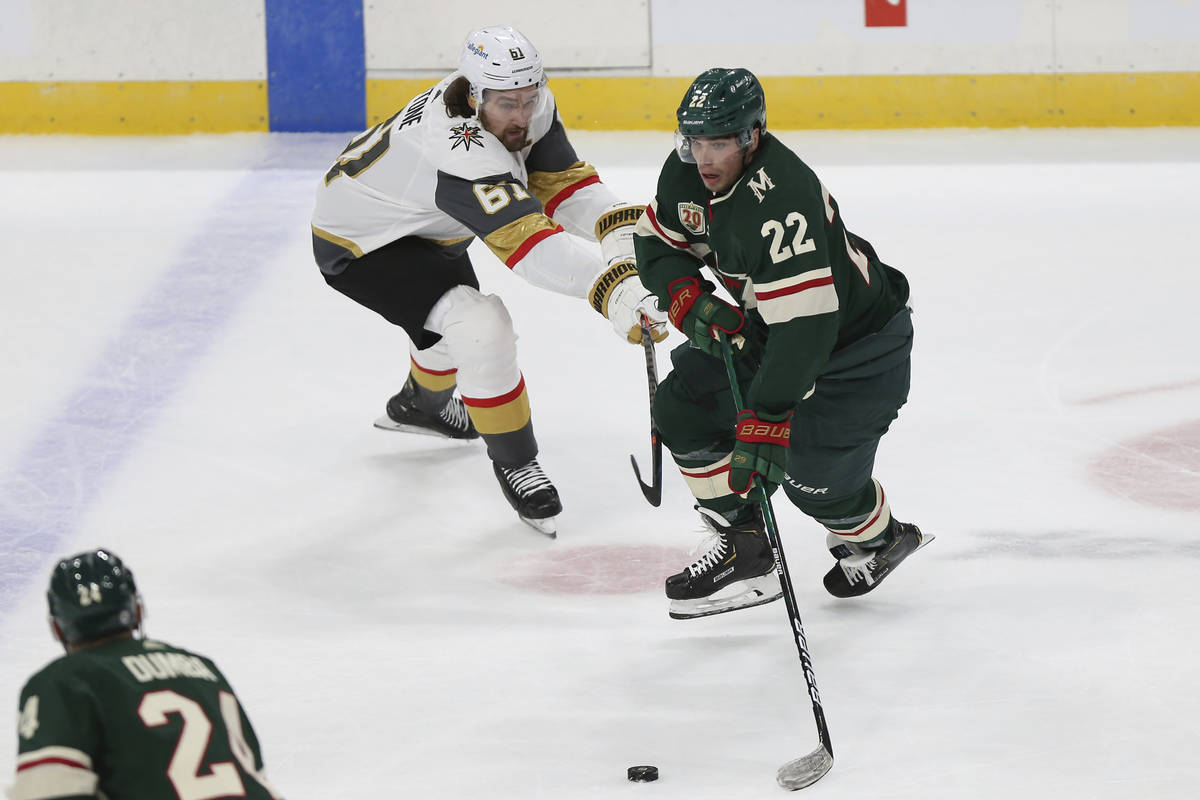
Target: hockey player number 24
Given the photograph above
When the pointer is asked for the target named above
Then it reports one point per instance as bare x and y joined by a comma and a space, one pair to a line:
187, 762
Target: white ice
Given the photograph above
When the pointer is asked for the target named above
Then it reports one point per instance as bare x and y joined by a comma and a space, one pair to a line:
179, 384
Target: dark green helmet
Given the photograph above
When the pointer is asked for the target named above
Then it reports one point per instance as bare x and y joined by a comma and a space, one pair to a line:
92, 595
721, 102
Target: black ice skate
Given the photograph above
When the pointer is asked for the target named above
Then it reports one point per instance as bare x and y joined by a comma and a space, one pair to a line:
737, 570
860, 569
531, 494
403, 414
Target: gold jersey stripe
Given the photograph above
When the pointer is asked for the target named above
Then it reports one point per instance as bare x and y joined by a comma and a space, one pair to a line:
333, 238
546, 185
512, 241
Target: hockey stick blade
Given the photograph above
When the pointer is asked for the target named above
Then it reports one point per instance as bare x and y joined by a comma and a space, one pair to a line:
652, 492
805, 771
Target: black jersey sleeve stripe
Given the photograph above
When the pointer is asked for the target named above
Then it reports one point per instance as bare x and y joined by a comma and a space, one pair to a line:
553, 152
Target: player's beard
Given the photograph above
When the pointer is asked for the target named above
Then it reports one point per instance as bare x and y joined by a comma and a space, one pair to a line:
514, 138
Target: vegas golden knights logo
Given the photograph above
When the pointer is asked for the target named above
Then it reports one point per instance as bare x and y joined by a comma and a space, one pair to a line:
466, 135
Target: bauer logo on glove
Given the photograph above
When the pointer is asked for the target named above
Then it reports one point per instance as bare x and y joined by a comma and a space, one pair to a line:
700, 314
754, 430
760, 451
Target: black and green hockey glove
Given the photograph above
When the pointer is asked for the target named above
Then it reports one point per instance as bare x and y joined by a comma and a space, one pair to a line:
700, 314
761, 450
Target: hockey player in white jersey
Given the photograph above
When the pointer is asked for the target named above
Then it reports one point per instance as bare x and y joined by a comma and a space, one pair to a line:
483, 153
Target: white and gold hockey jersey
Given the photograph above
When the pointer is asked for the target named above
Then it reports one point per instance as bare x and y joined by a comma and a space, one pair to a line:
446, 179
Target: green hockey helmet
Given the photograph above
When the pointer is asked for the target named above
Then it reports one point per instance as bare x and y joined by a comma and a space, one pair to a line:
92, 595
720, 102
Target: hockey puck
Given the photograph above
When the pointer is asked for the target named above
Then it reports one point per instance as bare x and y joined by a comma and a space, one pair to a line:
643, 774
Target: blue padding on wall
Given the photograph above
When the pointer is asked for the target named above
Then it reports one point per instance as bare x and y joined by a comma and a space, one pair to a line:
316, 65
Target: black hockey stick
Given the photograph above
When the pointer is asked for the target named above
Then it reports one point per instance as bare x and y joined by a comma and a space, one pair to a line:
806, 770
652, 491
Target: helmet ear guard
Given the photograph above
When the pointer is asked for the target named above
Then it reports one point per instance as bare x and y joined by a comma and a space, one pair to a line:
720, 102
499, 57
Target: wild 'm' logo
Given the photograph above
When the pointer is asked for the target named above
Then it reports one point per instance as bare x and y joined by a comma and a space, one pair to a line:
466, 135
760, 183
691, 216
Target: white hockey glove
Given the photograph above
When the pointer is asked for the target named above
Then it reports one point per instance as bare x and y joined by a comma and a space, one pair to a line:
617, 292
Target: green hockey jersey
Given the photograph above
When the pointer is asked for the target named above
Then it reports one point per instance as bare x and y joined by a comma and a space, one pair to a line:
135, 718
776, 241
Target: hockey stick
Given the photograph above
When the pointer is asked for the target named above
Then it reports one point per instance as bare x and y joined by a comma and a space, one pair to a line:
652, 491
806, 770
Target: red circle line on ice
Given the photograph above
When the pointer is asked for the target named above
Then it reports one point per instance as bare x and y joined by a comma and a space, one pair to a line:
596, 569
1161, 468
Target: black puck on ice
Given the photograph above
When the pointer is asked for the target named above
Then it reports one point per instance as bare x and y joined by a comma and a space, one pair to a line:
643, 774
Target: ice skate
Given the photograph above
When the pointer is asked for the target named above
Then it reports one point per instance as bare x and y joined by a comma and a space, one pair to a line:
403, 414
737, 570
531, 494
861, 568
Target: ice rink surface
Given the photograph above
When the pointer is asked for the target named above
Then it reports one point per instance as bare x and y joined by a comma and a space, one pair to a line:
181, 386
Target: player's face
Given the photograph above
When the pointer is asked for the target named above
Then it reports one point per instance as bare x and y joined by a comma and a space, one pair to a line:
720, 161
506, 114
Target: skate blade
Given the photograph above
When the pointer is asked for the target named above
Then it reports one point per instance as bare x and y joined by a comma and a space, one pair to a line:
757, 592
545, 526
388, 424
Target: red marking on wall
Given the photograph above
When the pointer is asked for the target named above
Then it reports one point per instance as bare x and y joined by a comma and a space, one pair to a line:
887, 13
1158, 469
602, 569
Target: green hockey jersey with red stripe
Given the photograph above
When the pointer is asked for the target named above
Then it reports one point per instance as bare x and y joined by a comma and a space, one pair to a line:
135, 718
776, 241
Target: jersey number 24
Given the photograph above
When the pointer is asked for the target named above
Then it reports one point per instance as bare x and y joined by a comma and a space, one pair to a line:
187, 763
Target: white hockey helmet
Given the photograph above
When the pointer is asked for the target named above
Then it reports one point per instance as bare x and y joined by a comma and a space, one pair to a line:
499, 57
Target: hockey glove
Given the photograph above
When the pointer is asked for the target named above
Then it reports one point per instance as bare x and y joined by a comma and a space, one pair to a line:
761, 450
618, 294
700, 314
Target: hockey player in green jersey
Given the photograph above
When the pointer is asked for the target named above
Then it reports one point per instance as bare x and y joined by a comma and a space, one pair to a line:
822, 335
120, 716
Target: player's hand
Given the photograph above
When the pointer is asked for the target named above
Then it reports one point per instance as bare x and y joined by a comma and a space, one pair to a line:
700, 314
761, 450
620, 296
